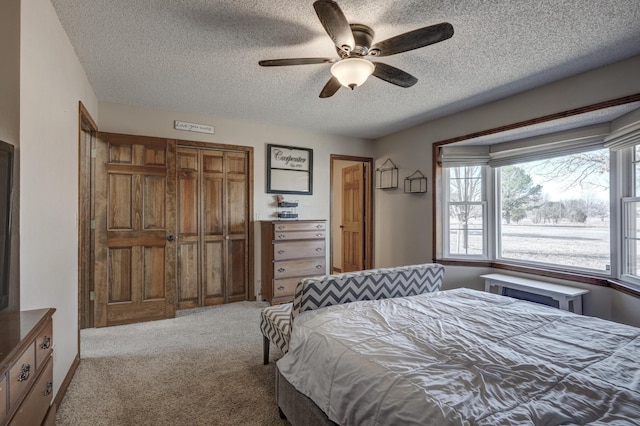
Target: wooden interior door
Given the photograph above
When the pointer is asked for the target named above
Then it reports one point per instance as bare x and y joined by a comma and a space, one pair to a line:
135, 224
213, 223
353, 238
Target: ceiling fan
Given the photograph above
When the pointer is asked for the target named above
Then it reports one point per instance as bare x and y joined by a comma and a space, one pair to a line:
353, 44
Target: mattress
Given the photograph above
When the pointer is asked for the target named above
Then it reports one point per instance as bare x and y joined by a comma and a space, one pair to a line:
464, 357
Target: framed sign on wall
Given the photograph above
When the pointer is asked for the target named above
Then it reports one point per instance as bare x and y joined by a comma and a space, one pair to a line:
289, 170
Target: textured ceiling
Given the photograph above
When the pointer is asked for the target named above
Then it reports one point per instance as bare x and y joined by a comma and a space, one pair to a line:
201, 56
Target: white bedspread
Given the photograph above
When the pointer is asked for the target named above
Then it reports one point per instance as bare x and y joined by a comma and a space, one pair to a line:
464, 357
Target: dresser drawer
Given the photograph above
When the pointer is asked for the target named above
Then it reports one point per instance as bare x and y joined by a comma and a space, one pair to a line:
3, 397
44, 344
300, 235
300, 226
285, 287
298, 249
22, 374
50, 419
291, 250
299, 268
36, 404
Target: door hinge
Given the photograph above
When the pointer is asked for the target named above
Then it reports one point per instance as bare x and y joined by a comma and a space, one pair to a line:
93, 153
92, 295
92, 224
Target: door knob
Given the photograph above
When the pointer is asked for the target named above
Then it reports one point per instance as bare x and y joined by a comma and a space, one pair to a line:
170, 238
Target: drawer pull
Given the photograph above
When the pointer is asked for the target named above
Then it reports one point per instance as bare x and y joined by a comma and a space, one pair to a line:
281, 227
46, 343
281, 287
48, 389
318, 266
281, 270
319, 235
280, 251
24, 372
319, 249
319, 226
281, 236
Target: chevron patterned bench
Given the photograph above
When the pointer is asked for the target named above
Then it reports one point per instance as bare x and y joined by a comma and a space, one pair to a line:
319, 292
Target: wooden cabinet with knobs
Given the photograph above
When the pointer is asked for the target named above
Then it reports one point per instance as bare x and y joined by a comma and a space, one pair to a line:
26, 367
291, 250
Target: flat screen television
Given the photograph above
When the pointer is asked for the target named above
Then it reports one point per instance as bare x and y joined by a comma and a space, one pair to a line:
6, 186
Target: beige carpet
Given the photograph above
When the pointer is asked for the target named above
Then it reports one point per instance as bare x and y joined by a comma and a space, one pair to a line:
202, 368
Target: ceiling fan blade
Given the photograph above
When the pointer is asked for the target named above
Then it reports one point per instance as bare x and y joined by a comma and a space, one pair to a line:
393, 75
330, 88
413, 40
294, 61
335, 24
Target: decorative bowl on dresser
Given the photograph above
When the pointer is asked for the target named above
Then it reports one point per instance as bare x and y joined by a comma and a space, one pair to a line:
26, 368
291, 250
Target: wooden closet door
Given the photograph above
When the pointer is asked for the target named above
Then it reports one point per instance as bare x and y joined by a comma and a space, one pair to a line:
188, 228
212, 227
237, 224
135, 213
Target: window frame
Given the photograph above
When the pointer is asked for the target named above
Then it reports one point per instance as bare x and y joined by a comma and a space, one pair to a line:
485, 216
618, 189
622, 181
625, 255
497, 235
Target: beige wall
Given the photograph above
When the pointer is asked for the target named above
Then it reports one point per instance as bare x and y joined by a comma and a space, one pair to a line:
52, 82
625, 308
140, 121
410, 239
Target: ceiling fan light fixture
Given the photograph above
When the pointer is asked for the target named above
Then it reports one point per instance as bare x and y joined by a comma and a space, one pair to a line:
352, 72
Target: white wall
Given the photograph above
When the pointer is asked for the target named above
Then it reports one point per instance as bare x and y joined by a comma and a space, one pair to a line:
52, 82
117, 118
404, 230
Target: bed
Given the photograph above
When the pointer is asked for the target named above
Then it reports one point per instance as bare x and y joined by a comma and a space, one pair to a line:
458, 357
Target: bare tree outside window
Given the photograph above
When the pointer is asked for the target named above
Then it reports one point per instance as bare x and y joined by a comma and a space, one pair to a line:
556, 211
466, 211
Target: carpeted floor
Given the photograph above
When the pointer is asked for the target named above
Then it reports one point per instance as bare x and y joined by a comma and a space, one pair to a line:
202, 368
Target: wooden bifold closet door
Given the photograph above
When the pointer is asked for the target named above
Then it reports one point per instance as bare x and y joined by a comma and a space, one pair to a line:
212, 226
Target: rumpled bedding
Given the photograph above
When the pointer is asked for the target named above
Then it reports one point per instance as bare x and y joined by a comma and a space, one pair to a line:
464, 357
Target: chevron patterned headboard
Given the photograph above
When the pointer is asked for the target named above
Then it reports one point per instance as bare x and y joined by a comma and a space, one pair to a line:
372, 284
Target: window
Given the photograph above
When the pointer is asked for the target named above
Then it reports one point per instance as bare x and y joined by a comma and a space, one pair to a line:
556, 211
567, 201
631, 222
466, 212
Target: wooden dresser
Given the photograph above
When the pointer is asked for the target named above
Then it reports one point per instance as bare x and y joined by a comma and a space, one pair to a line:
26, 368
291, 250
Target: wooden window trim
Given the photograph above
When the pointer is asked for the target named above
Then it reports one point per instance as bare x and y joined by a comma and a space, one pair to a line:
551, 273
